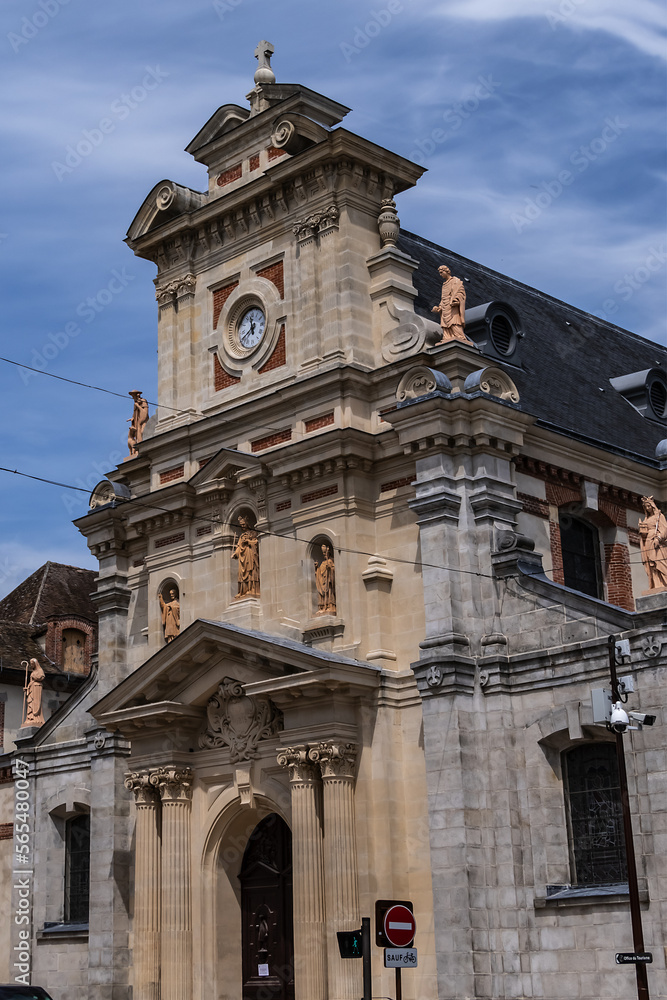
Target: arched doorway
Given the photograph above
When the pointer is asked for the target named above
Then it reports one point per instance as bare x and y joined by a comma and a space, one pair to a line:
266, 908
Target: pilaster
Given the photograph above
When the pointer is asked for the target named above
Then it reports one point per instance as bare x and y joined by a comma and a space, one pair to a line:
175, 787
147, 895
337, 762
308, 875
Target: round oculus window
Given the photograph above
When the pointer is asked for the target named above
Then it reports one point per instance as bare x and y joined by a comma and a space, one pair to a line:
502, 334
657, 394
251, 328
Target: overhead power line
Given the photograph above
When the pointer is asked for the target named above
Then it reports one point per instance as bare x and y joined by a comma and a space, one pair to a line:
261, 531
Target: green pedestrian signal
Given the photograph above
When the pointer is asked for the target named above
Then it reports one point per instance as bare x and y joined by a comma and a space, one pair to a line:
350, 944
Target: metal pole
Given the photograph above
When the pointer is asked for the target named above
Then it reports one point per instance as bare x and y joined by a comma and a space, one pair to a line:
399, 988
633, 887
366, 956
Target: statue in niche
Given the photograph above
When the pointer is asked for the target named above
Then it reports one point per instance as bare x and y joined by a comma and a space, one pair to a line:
452, 307
246, 550
325, 581
33, 696
137, 422
171, 615
653, 541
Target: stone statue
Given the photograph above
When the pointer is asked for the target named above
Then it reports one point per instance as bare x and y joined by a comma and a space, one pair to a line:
137, 422
653, 541
246, 550
452, 307
325, 580
33, 696
171, 615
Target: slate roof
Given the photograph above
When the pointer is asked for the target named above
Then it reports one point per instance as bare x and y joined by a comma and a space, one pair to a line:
53, 590
564, 362
17, 643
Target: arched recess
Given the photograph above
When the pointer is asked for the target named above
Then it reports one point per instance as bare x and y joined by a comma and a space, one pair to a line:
321, 563
246, 555
221, 896
169, 602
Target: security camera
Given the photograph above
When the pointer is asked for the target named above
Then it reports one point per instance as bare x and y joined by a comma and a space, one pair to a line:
642, 719
618, 720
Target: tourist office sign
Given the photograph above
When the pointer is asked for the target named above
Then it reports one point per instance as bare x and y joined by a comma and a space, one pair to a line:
634, 958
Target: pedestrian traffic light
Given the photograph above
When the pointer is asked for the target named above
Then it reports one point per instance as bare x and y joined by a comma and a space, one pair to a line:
350, 944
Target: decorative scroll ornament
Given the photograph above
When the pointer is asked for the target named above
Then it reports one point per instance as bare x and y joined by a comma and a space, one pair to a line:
336, 760
421, 381
143, 786
239, 722
296, 758
174, 783
652, 645
494, 382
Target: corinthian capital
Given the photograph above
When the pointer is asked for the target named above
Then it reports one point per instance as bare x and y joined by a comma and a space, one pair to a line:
140, 783
300, 767
336, 760
175, 784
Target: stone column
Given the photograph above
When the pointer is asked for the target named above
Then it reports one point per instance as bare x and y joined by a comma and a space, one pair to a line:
337, 764
146, 954
176, 904
308, 875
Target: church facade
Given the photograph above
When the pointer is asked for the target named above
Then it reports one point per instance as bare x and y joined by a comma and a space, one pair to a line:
357, 579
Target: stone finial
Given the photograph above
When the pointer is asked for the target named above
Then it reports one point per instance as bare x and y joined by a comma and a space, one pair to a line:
389, 223
263, 53
653, 542
452, 307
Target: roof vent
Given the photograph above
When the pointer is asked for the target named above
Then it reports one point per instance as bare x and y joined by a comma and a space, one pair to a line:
657, 395
502, 334
645, 390
494, 328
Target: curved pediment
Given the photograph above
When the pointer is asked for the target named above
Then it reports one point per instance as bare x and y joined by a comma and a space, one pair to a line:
165, 202
226, 118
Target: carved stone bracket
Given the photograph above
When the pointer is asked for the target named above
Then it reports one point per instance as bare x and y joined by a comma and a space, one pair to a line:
494, 382
166, 294
239, 722
421, 381
652, 645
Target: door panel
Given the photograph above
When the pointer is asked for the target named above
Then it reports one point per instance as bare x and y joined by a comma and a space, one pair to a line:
266, 906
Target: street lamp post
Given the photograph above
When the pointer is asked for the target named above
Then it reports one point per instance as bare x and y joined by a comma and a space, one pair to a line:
633, 887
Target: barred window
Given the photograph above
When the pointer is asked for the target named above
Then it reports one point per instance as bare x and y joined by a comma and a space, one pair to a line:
77, 869
594, 813
581, 555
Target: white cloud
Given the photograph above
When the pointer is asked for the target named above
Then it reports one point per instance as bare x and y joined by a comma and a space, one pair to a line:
642, 23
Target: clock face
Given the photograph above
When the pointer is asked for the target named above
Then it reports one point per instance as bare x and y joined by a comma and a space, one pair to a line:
251, 328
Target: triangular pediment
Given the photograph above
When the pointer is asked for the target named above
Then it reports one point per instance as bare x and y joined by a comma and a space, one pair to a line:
226, 118
224, 468
176, 685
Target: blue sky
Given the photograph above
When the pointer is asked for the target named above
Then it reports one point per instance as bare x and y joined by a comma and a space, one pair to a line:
541, 123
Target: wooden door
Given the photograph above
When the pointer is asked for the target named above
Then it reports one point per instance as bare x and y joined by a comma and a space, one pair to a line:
266, 907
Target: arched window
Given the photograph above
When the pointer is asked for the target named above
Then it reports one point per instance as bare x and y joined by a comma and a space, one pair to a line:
594, 816
580, 547
77, 869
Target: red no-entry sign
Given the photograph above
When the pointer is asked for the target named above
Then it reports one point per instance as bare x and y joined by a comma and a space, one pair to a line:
399, 926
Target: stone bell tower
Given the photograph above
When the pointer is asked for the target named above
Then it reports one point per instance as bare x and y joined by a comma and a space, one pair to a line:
265, 277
